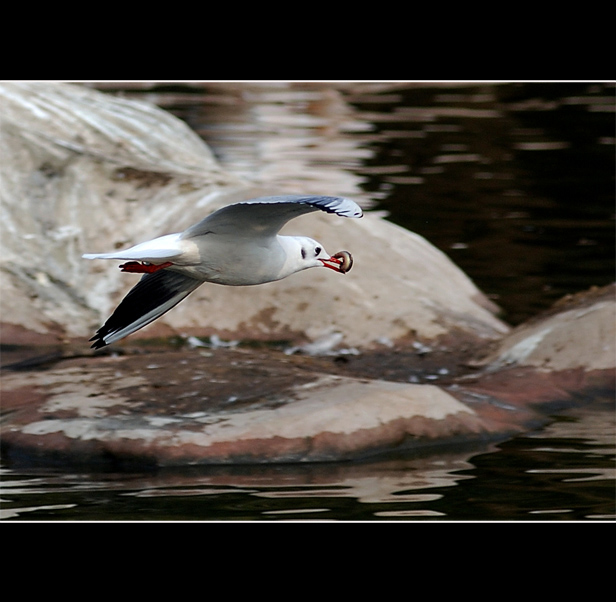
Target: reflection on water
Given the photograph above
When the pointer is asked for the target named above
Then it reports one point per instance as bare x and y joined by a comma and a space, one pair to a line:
334, 492
515, 182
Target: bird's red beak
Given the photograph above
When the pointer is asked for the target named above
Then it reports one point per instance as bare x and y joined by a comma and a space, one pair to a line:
333, 263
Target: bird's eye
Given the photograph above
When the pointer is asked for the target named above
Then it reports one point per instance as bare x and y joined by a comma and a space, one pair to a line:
317, 250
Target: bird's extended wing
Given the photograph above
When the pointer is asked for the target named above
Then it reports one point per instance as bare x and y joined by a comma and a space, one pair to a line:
150, 298
265, 216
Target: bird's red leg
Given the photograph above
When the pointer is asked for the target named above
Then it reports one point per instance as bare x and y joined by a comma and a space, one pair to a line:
136, 267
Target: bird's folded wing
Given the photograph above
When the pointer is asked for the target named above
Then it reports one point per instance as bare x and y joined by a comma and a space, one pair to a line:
153, 295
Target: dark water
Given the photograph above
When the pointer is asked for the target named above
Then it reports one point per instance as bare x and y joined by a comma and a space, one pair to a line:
515, 182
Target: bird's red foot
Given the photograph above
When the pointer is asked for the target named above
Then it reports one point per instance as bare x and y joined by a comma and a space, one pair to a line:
136, 267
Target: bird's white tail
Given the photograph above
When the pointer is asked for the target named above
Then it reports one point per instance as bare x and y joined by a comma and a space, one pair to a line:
164, 248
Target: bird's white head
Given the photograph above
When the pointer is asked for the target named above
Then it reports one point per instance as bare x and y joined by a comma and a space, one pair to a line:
303, 253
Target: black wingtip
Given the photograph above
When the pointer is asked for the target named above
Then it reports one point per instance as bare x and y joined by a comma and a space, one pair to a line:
150, 298
339, 205
98, 342
342, 206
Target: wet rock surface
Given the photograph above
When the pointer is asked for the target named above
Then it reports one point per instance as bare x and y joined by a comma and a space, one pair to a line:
161, 405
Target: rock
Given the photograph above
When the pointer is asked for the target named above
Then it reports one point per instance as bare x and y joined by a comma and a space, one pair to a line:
326, 418
580, 332
235, 405
168, 409
563, 357
84, 170
87, 172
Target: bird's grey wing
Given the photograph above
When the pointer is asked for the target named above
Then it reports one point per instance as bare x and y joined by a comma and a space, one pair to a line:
154, 295
265, 216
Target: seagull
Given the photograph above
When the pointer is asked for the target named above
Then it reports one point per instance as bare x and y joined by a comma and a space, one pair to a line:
237, 245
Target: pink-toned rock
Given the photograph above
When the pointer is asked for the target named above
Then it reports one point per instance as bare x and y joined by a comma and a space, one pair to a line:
235, 405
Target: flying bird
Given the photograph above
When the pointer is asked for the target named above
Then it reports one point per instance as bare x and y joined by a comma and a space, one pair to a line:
237, 245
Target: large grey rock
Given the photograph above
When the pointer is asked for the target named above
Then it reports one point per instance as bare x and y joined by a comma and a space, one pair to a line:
79, 170
86, 172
